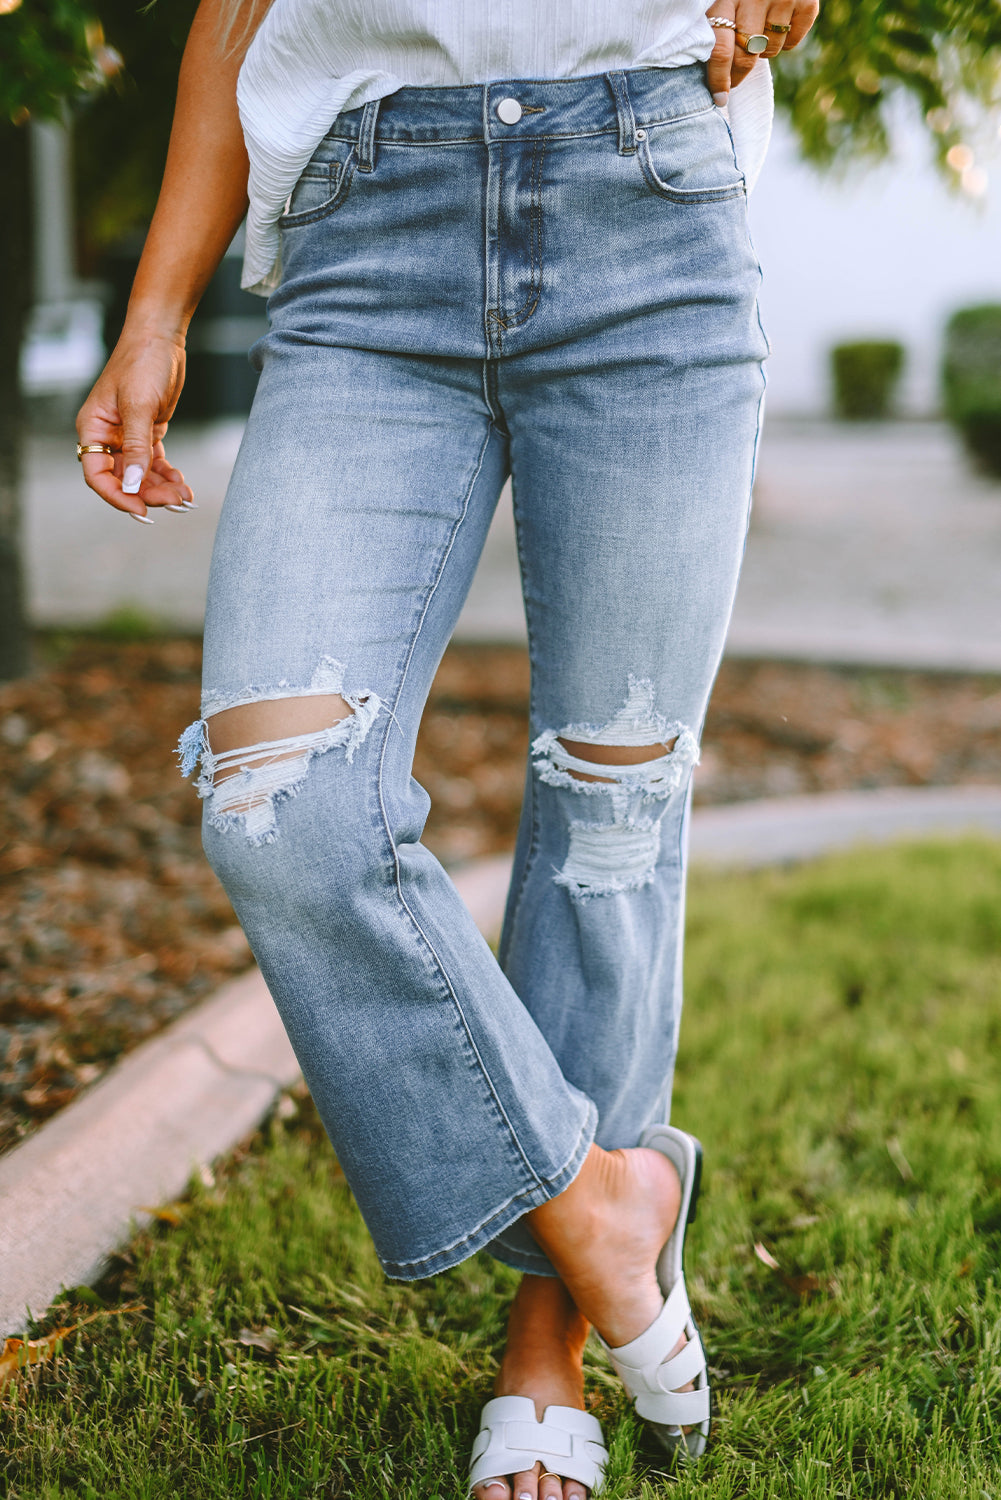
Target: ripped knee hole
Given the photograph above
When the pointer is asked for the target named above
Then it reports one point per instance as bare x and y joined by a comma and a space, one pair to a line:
256, 751
609, 756
630, 764
254, 732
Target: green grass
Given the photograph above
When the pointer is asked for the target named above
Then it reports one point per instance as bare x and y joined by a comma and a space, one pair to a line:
840, 1062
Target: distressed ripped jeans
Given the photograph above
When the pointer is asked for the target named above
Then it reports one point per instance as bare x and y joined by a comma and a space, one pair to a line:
569, 299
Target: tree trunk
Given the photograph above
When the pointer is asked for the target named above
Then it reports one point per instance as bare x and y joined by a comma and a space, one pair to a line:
15, 292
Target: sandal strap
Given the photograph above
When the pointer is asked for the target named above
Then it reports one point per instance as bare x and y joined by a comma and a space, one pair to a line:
674, 1408
651, 1346
653, 1380
687, 1364
511, 1439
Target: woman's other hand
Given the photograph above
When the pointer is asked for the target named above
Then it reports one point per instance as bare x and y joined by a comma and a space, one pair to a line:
128, 410
729, 62
201, 203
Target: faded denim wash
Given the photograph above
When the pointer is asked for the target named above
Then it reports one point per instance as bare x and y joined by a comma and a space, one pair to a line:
569, 299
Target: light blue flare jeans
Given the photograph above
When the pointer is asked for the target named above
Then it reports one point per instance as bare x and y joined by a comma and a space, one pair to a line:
561, 289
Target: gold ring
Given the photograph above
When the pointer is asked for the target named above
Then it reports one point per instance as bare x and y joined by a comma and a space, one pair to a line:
82, 448
774, 26
754, 44
547, 1475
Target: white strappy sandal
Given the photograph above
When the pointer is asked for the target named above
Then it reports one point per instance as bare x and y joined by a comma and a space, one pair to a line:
643, 1366
511, 1440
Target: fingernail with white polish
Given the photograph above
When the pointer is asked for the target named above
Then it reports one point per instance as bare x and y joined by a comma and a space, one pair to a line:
190, 505
179, 509
146, 520
132, 479
720, 100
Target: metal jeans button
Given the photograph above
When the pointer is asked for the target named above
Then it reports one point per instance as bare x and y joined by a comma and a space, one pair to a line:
509, 111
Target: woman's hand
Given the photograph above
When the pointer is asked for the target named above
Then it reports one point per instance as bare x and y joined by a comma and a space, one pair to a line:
729, 62
128, 410
201, 202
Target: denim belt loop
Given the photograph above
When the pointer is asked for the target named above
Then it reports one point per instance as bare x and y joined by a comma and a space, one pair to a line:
366, 135
624, 109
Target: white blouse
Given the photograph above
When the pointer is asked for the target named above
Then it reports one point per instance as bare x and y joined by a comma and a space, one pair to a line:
311, 59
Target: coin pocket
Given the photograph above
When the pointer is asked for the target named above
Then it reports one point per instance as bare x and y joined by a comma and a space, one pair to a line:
691, 160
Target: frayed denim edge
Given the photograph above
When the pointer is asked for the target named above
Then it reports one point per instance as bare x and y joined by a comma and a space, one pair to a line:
496, 1222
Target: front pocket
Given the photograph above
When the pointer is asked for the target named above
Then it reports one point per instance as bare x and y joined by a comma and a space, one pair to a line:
321, 189
691, 160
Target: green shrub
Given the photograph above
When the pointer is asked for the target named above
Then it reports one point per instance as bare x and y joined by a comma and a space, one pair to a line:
865, 376
971, 380
128, 622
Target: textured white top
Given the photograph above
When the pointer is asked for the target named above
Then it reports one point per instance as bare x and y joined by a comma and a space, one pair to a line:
311, 59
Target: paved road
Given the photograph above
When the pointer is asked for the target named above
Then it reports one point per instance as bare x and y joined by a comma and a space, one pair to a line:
872, 543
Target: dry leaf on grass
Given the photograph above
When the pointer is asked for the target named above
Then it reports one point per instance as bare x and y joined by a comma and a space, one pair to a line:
895, 1151
20, 1354
266, 1338
17, 1354
167, 1213
803, 1285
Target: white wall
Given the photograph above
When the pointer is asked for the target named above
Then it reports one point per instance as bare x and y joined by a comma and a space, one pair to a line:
889, 251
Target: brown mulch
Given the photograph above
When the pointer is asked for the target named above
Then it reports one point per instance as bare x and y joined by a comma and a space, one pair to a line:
111, 922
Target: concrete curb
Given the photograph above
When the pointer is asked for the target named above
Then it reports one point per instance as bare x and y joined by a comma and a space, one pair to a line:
776, 830
70, 1193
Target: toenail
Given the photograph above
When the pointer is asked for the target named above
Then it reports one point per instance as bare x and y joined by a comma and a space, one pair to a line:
524, 1495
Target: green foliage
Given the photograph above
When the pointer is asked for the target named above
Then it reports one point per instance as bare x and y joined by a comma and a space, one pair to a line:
129, 622
45, 57
839, 1060
121, 133
865, 375
971, 380
835, 87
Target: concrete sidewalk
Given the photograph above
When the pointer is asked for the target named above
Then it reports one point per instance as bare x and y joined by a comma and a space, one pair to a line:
869, 543
70, 1193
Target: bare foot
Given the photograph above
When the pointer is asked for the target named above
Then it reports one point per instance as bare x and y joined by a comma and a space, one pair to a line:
604, 1235
543, 1359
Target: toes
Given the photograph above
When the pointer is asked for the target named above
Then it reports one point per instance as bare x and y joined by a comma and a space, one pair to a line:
492, 1489
573, 1491
526, 1486
550, 1487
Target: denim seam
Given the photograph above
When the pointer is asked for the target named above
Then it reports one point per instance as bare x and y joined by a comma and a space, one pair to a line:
521, 1260
546, 135
493, 316
535, 245
490, 396
516, 894
484, 1073
491, 248
542, 1191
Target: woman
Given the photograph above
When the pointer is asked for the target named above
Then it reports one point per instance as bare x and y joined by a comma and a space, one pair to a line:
495, 244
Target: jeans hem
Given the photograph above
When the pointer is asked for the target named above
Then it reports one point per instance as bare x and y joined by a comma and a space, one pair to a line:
501, 1218
520, 1260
